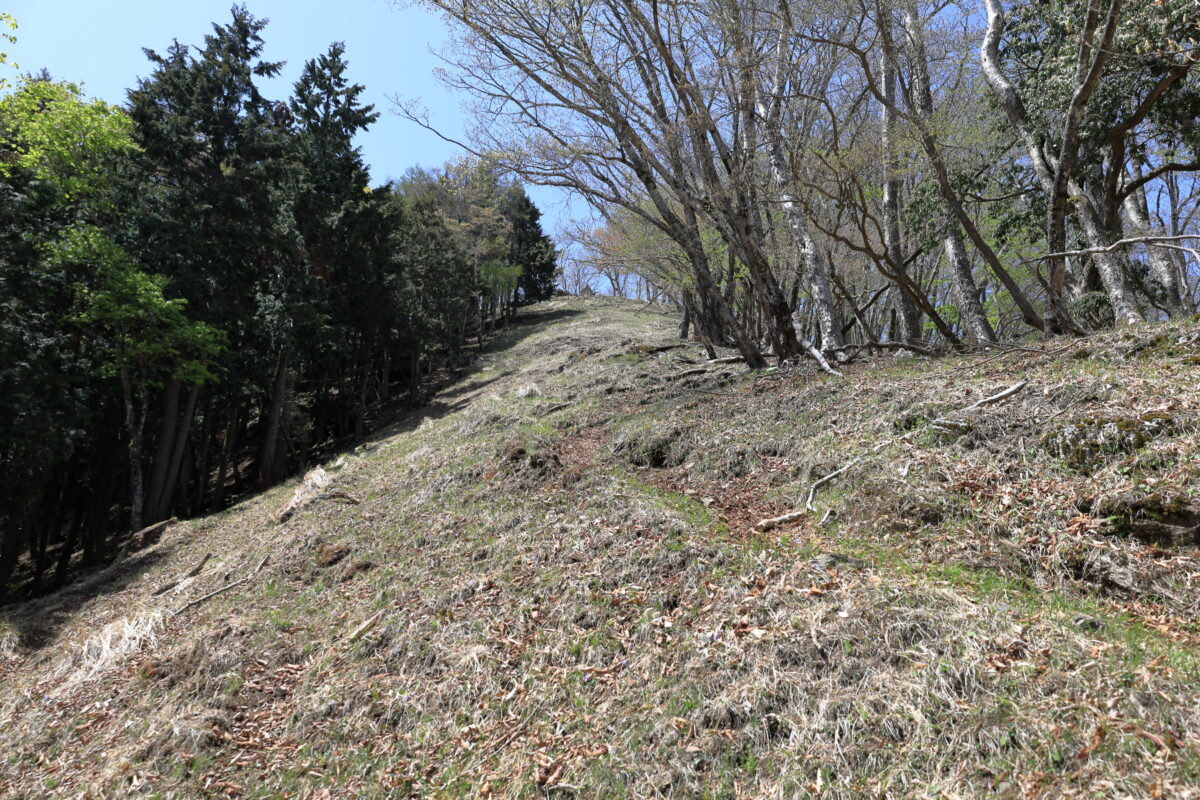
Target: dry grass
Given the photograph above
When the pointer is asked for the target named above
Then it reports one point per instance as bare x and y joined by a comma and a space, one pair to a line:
114, 644
10, 640
552, 587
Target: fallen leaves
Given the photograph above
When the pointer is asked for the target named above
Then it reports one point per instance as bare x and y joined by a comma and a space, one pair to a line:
1098, 736
640, 618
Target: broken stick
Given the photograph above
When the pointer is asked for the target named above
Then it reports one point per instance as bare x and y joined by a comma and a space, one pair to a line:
808, 506
775, 522
349, 498
223, 589
191, 573
996, 398
210, 595
364, 627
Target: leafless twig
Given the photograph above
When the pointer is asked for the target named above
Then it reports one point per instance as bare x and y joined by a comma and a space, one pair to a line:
211, 595
775, 522
1089, 251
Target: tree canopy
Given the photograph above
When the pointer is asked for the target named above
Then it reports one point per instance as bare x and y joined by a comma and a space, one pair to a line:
202, 291
882, 174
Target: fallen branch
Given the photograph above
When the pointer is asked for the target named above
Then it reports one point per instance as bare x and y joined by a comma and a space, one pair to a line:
858, 348
687, 373
554, 409
951, 426
996, 398
808, 506
775, 522
726, 360
223, 589
517, 730
166, 587
369, 623
314, 483
211, 595
340, 496
792, 516
143, 536
191, 573
820, 359
194, 571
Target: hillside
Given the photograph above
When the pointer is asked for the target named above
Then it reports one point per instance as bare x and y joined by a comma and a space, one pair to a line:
551, 582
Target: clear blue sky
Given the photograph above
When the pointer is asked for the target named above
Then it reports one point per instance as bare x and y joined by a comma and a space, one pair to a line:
100, 45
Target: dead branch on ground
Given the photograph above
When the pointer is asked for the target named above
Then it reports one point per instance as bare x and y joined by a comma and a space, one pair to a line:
775, 522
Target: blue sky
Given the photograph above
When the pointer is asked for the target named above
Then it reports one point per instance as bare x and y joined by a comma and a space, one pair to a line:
388, 47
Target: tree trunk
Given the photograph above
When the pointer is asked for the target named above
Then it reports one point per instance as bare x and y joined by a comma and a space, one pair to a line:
1120, 294
966, 292
730, 325
385, 383
1057, 318
67, 548
228, 452
10, 547
166, 444
689, 303
1090, 59
51, 528
414, 377
267, 469
360, 416
1162, 265
820, 287
135, 422
814, 272
200, 494
859, 314
166, 496
910, 318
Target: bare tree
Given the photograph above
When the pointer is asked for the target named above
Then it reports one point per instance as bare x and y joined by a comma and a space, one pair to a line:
966, 292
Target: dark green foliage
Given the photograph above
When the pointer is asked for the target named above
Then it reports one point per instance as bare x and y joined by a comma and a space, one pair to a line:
529, 247
210, 295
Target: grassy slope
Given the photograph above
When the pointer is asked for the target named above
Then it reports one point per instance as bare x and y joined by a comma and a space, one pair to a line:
551, 585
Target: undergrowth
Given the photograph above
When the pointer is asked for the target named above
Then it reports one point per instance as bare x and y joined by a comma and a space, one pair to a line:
552, 581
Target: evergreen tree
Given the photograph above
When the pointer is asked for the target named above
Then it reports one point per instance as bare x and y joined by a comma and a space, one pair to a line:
342, 232
529, 248
57, 180
216, 216
202, 293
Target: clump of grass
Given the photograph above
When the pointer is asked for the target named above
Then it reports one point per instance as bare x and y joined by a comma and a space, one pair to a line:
647, 442
107, 648
10, 639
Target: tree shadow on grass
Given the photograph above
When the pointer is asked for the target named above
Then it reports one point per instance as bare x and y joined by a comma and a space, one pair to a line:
458, 389
37, 620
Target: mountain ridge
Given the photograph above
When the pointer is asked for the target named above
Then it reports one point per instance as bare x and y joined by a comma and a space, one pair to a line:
552, 580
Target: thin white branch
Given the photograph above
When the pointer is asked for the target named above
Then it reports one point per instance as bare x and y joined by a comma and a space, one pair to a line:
1149, 240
